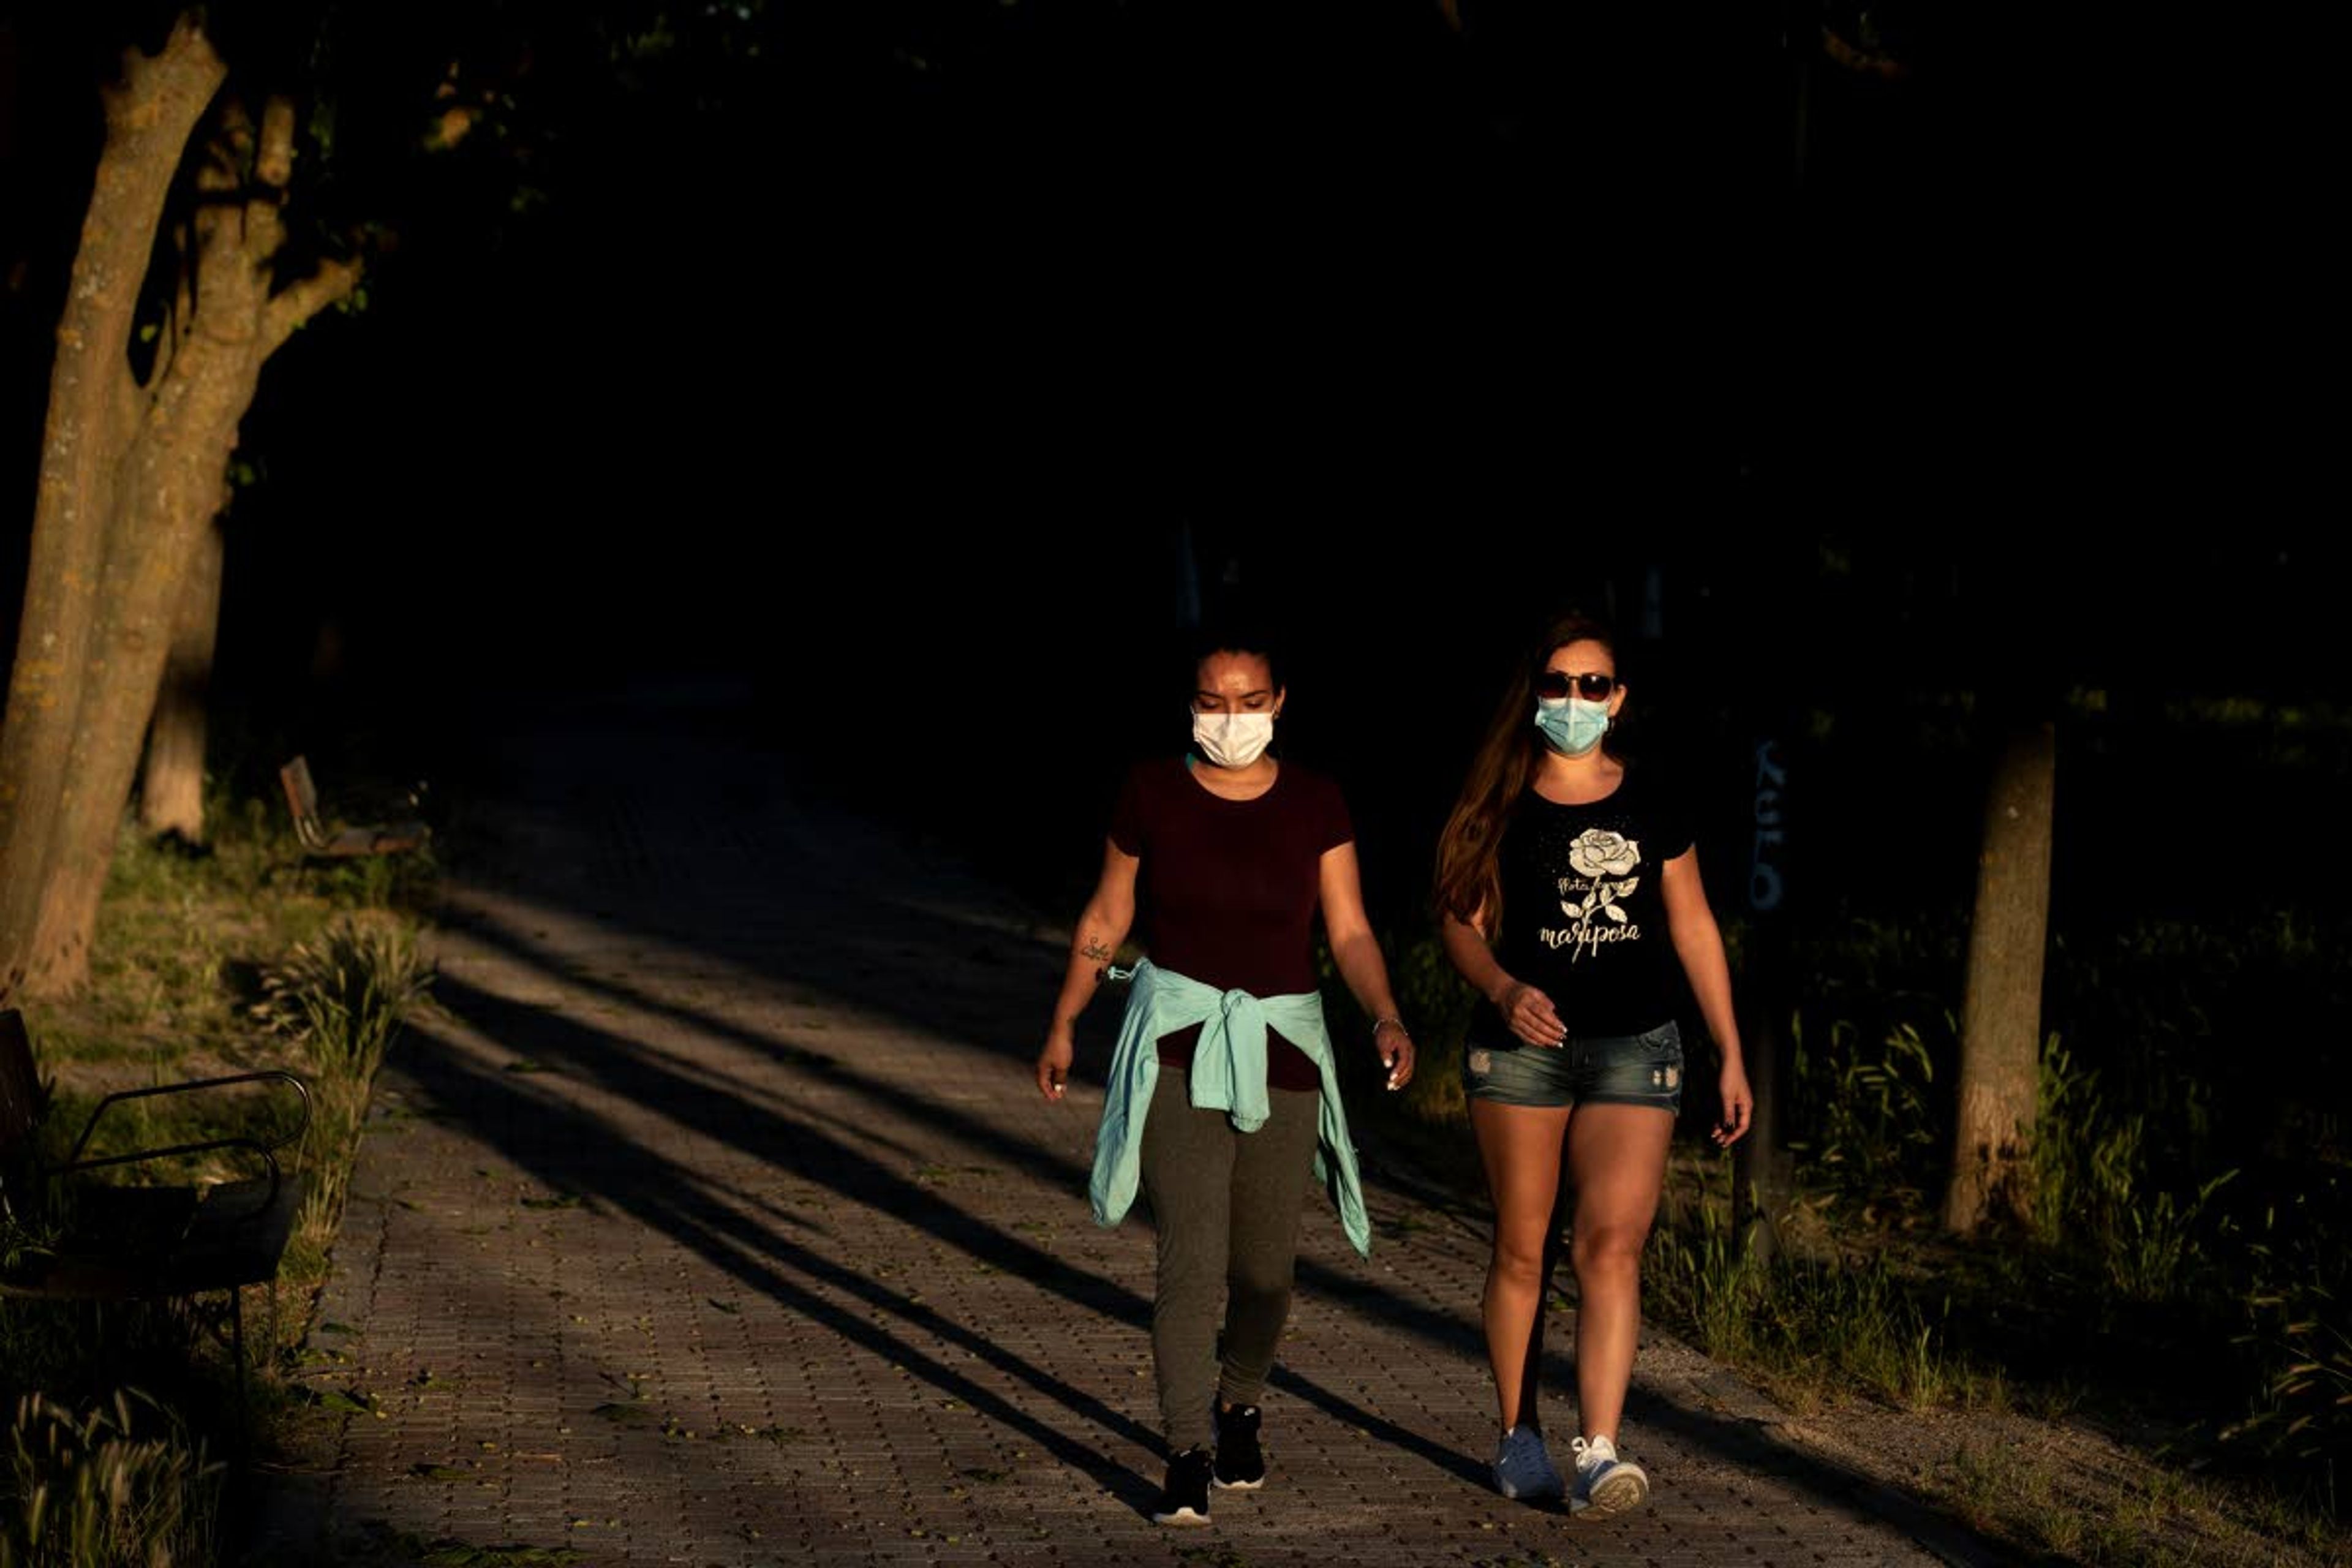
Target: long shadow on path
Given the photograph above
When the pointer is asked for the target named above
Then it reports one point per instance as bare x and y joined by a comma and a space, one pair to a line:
674, 1201
981, 996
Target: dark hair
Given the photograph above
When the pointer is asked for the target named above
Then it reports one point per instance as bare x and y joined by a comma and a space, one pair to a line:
1232, 634
1469, 880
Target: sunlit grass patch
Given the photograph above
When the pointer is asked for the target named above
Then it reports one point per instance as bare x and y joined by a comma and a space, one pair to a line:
1817, 1327
226, 960
338, 999
2052, 1500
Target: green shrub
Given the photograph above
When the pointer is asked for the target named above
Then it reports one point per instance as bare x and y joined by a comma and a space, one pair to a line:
341, 996
1815, 1326
341, 999
2096, 1193
1865, 1110
2297, 1345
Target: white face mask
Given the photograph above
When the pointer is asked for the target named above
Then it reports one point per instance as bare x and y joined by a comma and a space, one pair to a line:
1233, 739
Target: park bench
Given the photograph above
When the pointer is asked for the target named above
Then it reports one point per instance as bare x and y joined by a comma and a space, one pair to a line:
330, 840
80, 1239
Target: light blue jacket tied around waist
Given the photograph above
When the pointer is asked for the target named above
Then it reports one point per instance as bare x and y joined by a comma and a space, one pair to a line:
1228, 1075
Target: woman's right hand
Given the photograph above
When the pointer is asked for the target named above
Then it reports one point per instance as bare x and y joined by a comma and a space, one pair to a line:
1529, 1013
1054, 1064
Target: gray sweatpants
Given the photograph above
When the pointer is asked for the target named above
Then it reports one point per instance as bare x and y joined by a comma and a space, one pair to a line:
1226, 1206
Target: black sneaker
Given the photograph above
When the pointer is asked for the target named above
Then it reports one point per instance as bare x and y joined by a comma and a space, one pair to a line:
1241, 1463
1185, 1499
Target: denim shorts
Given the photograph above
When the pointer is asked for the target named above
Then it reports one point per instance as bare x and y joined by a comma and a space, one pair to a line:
1598, 1069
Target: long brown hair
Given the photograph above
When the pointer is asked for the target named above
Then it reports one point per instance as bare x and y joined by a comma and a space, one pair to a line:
1469, 878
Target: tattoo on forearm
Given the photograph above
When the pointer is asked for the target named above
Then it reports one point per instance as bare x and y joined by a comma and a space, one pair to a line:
1097, 950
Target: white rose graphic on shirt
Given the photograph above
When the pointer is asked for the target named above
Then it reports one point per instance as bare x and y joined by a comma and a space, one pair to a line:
1598, 852
1605, 857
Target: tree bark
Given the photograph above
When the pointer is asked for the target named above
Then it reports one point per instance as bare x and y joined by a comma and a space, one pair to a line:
172, 784
2000, 1021
175, 491
149, 115
163, 451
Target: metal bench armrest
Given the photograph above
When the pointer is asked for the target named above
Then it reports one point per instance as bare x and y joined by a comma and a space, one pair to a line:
75, 1161
269, 1159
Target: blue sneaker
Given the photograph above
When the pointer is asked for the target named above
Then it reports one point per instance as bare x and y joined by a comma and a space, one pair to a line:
1605, 1484
1523, 1471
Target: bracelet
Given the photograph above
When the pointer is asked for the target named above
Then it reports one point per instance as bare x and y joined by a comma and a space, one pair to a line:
1387, 1020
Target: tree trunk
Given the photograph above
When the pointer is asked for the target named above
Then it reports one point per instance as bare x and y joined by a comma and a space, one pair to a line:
2000, 1019
131, 476
161, 517
92, 406
172, 786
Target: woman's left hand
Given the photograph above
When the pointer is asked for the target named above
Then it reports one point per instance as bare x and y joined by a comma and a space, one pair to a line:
1396, 1053
1738, 1105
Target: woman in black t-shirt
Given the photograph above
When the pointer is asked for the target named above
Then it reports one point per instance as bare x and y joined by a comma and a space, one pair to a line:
1564, 875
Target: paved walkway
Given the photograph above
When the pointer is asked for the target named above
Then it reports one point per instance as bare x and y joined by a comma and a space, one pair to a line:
710, 1218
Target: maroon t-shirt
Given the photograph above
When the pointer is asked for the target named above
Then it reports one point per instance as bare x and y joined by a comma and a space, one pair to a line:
1228, 888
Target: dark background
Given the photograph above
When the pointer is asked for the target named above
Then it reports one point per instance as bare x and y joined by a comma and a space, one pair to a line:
898, 369
887, 381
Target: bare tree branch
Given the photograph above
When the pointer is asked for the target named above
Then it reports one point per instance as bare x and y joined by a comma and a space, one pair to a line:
187, 64
273, 165
298, 301
151, 111
220, 180
273, 169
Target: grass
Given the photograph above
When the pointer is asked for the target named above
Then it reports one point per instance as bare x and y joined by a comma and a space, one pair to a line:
336, 1001
124, 1481
1821, 1323
2164, 1516
230, 960
2170, 1230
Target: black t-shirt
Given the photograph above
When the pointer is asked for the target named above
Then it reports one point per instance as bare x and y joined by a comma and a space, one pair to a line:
1228, 888
1584, 919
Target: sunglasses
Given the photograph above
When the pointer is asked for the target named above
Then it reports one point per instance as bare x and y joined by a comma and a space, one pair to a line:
1557, 686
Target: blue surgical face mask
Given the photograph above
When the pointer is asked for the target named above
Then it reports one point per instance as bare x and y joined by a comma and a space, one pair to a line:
1572, 726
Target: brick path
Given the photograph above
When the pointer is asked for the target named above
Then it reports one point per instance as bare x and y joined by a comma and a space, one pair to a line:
710, 1218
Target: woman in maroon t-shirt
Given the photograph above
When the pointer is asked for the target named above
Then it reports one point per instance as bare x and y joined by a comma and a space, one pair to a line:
1226, 856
